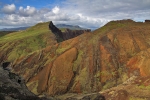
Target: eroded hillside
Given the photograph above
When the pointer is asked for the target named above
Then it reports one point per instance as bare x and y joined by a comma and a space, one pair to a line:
91, 62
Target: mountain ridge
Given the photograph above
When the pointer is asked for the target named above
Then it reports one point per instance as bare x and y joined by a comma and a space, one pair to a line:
14, 29
71, 27
117, 53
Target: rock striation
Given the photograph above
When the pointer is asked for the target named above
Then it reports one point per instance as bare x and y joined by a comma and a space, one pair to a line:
112, 59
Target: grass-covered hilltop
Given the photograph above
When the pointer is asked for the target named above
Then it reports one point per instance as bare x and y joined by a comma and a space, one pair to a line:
112, 61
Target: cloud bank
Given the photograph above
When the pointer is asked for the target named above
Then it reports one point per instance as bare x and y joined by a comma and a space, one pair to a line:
86, 13
29, 11
9, 9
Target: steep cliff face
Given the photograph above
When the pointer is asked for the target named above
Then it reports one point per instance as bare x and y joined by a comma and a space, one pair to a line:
66, 34
12, 87
56, 31
90, 62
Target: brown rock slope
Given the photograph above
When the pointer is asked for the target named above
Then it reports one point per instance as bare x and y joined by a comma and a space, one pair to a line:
91, 62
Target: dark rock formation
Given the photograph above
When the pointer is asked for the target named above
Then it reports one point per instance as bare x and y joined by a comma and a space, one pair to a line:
107, 57
68, 34
56, 31
5, 64
147, 21
12, 87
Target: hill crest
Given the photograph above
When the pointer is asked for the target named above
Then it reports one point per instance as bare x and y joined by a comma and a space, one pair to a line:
116, 54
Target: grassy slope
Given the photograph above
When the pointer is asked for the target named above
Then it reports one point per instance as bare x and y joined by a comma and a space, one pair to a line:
33, 31
88, 47
24, 42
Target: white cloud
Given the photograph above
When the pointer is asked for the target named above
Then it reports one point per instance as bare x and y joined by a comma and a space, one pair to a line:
102, 11
55, 10
86, 13
29, 11
30, 15
104, 6
9, 9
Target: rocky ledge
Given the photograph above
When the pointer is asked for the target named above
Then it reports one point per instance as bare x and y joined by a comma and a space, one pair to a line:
12, 87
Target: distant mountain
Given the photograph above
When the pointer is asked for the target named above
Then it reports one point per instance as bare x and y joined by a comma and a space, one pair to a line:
14, 29
71, 27
2, 33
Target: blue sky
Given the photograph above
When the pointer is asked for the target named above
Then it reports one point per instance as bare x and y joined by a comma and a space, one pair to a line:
35, 3
85, 13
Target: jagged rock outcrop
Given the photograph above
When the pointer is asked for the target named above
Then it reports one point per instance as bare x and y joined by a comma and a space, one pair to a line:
56, 31
67, 34
91, 62
12, 87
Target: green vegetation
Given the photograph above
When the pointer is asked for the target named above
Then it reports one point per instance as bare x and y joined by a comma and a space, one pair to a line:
78, 60
33, 86
62, 29
83, 76
24, 42
113, 25
144, 87
115, 40
97, 75
61, 50
109, 84
49, 60
106, 73
136, 98
131, 53
33, 31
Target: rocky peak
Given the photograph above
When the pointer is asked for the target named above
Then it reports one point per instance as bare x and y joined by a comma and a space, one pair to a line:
68, 34
56, 31
116, 55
